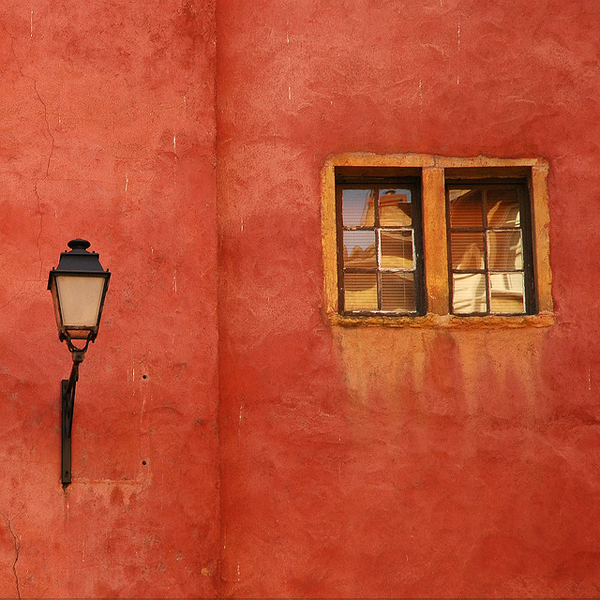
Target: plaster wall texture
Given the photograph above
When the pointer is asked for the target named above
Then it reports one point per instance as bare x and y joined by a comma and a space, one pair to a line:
403, 462
107, 132
284, 456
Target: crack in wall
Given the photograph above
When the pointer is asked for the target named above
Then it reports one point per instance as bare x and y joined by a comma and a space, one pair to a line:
49, 132
52, 143
39, 235
49, 135
17, 544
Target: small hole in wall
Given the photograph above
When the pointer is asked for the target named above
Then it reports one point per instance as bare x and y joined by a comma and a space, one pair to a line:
144, 376
143, 462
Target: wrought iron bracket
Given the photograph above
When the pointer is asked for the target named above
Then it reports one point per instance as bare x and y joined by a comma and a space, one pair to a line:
68, 403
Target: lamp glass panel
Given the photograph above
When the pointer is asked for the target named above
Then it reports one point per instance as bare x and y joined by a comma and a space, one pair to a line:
80, 299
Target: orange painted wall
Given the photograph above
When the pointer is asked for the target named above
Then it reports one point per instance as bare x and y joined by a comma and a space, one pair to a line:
228, 440
403, 462
107, 132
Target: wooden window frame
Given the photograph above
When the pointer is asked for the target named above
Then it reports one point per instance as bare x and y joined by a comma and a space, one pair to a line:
486, 185
347, 181
433, 172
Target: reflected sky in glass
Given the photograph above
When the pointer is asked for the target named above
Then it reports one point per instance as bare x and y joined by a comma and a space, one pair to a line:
355, 208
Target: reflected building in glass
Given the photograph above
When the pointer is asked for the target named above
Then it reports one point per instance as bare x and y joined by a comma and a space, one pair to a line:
378, 249
486, 250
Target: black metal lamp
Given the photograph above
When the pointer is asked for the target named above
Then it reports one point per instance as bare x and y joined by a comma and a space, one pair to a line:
78, 286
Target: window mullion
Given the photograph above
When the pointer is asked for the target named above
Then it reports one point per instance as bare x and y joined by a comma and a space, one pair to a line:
377, 244
435, 233
486, 258
539, 225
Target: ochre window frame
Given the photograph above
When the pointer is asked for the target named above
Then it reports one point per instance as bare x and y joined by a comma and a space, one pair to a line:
434, 170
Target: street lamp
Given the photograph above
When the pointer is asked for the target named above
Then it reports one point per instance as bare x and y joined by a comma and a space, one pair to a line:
78, 286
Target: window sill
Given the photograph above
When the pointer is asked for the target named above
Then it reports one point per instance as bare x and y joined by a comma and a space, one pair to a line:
447, 321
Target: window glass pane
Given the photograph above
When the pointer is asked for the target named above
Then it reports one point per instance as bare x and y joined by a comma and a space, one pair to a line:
505, 249
360, 291
357, 208
469, 293
467, 250
466, 208
503, 208
398, 292
397, 249
507, 292
395, 207
359, 249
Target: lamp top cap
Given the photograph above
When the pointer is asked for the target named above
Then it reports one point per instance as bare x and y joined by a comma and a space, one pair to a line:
78, 244
78, 261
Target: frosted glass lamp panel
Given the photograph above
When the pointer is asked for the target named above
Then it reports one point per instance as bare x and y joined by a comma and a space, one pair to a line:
80, 299
505, 250
395, 208
360, 291
357, 208
469, 293
466, 208
507, 293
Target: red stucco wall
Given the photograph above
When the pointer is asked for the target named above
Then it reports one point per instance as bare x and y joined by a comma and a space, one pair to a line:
228, 440
404, 462
107, 132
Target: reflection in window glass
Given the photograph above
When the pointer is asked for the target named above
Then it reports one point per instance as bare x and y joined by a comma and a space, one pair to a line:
381, 267
395, 208
503, 208
397, 249
359, 249
467, 251
357, 208
398, 292
469, 293
505, 249
487, 249
360, 291
466, 208
507, 292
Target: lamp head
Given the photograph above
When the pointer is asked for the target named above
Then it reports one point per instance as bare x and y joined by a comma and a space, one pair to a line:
78, 285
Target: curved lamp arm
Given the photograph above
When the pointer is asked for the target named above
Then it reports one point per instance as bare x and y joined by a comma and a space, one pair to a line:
68, 403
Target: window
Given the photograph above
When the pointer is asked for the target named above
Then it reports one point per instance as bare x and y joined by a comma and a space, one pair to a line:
429, 240
380, 252
489, 249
